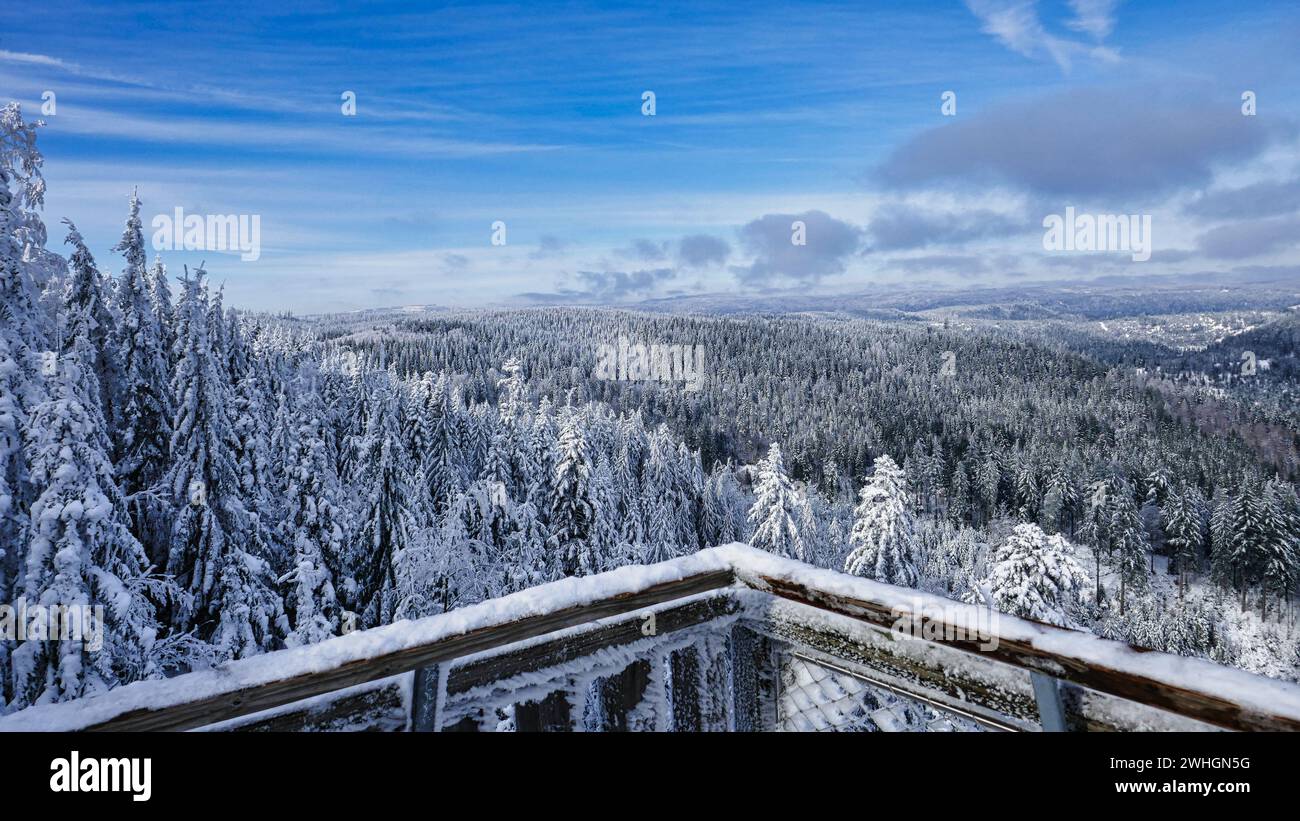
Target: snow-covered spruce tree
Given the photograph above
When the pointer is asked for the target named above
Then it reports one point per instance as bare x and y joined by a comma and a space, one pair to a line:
1036, 576
1280, 561
660, 535
883, 535
524, 562
1028, 494
960, 495
88, 293
604, 535
988, 478
1242, 532
82, 552
214, 553
1096, 526
1184, 525
777, 514
1060, 500
23, 338
444, 466
512, 393
144, 419
160, 300
716, 521
540, 459
572, 512
1128, 544
313, 528
21, 343
384, 526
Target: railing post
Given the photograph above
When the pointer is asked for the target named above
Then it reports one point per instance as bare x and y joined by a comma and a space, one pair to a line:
427, 693
551, 714
621, 693
1051, 709
754, 681
715, 698
686, 685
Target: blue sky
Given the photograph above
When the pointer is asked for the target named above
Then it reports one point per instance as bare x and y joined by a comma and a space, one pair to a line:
531, 114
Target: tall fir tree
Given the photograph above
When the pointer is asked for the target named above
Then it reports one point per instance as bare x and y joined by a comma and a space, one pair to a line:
82, 554
883, 536
384, 525
214, 550
572, 510
777, 514
144, 419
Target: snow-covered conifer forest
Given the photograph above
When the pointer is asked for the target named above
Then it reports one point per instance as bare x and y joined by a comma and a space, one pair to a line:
228, 483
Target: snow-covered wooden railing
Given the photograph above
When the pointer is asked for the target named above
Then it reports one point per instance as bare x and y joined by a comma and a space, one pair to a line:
727, 619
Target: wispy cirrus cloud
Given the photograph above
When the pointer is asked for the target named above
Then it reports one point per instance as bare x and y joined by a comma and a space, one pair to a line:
1017, 25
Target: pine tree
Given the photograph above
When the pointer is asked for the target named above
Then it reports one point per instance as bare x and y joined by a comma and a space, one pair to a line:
1027, 490
1184, 526
314, 529
1128, 543
1244, 535
86, 296
572, 511
23, 344
82, 553
1280, 557
144, 419
777, 514
1036, 576
214, 552
961, 503
385, 521
160, 300
883, 535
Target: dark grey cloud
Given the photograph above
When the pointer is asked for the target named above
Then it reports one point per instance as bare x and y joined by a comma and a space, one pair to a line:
904, 227
830, 242
548, 245
646, 250
1240, 240
617, 285
452, 263
1099, 141
1264, 199
693, 251
700, 250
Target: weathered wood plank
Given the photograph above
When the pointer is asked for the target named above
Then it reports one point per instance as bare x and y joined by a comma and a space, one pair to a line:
542, 655
380, 708
426, 692
244, 700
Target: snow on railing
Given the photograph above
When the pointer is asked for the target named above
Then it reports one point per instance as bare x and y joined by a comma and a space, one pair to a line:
720, 639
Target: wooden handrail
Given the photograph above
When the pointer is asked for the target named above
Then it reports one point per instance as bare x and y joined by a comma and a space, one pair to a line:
1194, 688
122, 709
1203, 701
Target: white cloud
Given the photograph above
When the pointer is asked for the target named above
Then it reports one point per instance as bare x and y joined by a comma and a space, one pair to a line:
1017, 25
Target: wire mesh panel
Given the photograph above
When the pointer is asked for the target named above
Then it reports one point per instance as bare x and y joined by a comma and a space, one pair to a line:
815, 697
